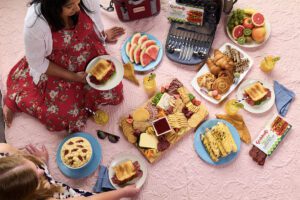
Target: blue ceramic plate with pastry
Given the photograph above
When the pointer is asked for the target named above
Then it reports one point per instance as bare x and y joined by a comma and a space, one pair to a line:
143, 50
78, 155
217, 142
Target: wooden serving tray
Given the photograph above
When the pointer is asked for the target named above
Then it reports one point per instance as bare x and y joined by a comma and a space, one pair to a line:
184, 113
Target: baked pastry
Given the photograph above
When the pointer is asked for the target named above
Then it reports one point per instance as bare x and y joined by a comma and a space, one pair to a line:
129, 73
76, 152
222, 84
226, 73
126, 171
213, 68
206, 80
223, 61
101, 71
218, 141
238, 122
256, 91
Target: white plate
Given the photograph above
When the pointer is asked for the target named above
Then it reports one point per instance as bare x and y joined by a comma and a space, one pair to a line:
265, 105
205, 69
114, 80
124, 157
253, 44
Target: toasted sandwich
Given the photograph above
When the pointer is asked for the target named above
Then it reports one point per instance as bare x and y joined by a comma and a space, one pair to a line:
101, 71
126, 171
256, 92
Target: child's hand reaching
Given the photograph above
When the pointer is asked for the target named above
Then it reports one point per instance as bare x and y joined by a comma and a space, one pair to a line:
40, 153
130, 191
113, 34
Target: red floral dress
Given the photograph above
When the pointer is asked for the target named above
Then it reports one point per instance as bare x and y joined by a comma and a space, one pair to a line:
56, 102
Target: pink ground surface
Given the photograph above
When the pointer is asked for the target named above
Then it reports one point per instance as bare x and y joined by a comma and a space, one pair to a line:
181, 174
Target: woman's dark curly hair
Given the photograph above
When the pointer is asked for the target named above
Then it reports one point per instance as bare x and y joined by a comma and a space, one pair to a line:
51, 10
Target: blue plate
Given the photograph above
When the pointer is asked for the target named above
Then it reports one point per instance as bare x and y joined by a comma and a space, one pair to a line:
153, 64
200, 149
90, 167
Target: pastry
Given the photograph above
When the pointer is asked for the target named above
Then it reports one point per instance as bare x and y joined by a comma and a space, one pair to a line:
222, 85
226, 73
206, 80
129, 73
76, 152
256, 91
101, 71
223, 61
213, 68
238, 122
218, 141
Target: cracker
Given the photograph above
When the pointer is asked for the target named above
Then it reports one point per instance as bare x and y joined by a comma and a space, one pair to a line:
183, 94
128, 131
177, 120
191, 107
198, 117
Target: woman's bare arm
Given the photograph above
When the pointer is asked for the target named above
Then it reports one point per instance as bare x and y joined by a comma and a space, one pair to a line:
57, 71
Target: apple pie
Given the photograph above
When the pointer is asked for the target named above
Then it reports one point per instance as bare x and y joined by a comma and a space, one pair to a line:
76, 152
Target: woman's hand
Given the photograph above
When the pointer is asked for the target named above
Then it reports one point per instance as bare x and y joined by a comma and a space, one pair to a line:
40, 153
113, 34
130, 191
80, 77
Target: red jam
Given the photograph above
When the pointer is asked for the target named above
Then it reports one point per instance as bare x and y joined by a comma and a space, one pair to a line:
161, 126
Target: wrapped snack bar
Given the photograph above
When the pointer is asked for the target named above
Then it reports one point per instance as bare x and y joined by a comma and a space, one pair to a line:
269, 139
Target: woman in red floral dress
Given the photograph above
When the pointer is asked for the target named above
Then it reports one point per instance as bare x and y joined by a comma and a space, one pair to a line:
53, 89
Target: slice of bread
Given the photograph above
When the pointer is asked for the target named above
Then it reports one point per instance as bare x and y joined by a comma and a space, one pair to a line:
256, 91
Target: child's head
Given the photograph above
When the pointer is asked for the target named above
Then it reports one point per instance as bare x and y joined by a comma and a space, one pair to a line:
20, 178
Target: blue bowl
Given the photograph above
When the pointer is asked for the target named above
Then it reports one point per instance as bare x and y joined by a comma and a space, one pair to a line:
86, 169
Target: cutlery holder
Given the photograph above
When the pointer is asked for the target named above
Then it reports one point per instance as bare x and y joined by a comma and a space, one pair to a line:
192, 31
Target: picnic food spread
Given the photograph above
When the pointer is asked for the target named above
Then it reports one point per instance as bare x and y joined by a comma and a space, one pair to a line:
224, 70
76, 152
163, 120
172, 111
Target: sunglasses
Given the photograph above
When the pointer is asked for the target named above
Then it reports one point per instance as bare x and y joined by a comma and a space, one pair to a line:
111, 137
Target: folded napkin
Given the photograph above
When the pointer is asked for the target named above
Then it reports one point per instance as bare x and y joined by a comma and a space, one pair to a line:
103, 184
283, 98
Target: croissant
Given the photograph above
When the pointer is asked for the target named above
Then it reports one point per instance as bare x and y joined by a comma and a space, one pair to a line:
223, 61
214, 69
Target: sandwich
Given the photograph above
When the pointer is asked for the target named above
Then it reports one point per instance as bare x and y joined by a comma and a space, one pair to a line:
101, 72
256, 93
126, 171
